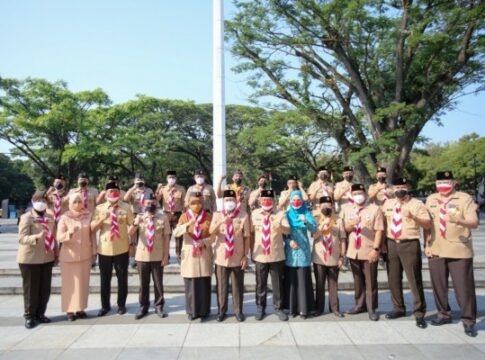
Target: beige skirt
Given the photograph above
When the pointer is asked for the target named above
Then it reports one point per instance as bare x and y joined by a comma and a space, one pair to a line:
75, 285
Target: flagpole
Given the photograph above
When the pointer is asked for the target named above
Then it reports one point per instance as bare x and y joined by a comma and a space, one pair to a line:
218, 100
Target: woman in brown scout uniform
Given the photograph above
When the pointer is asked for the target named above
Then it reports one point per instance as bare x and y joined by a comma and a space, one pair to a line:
328, 249
36, 255
77, 252
196, 257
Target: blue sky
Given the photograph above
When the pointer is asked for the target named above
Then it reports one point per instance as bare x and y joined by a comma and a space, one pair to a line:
161, 48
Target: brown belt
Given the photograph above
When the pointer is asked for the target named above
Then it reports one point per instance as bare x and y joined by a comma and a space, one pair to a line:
398, 241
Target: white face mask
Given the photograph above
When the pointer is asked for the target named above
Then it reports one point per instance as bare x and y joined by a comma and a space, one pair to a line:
359, 199
39, 206
171, 181
200, 180
267, 208
230, 205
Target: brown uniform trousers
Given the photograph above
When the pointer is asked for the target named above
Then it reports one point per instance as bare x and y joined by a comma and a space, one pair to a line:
222, 283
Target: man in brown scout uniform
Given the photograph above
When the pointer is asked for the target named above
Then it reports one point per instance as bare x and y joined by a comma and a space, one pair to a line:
36, 256
56, 197
88, 194
196, 263
207, 191
268, 248
342, 191
405, 216
255, 195
329, 248
450, 251
322, 186
293, 183
172, 198
102, 195
242, 191
381, 190
231, 246
151, 254
113, 218
364, 224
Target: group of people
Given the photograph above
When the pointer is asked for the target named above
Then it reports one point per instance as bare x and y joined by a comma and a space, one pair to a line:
322, 228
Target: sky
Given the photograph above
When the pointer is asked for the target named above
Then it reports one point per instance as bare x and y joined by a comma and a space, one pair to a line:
161, 48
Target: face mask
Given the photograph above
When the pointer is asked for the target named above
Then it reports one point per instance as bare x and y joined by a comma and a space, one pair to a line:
263, 184
359, 199
151, 208
58, 186
230, 205
83, 183
349, 177
238, 181
39, 206
382, 180
140, 184
171, 181
323, 176
444, 188
113, 198
267, 204
200, 180
327, 211
296, 204
196, 208
400, 194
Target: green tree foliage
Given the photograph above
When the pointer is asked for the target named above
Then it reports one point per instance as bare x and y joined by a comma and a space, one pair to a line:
15, 184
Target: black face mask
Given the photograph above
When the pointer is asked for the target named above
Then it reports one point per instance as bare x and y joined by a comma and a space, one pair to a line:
151, 208
59, 186
323, 177
349, 177
140, 184
238, 181
400, 194
263, 184
83, 183
382, 179
327, 211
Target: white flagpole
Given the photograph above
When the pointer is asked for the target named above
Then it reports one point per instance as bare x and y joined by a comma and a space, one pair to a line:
218, 101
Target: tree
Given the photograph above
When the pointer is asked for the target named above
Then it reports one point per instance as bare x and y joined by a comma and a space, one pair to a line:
369, 73
15, 185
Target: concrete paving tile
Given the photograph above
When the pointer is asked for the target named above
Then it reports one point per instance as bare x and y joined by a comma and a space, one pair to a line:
52, 337
212, 335
158, 335
328, 333
105, 336
370, 332
267, 334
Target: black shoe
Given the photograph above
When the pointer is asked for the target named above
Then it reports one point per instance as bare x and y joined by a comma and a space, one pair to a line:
317, 313
43, 319
30, 323
71, 317
103, 312
141, 314
160, 313
356, 311
420, 323
220, 317
259, 314
395, 315
121, 310
470, 330
441, 321
373, 316
190, 317
240, 317
282, 315
82, 315
303, 316
338, 314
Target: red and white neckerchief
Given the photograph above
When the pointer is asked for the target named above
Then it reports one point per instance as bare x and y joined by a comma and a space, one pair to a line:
443, 212
85, 198
197, 232
150, 233
266, 233
350, 198
396, 226
229, 233
171, 199
324, 189
327, 239
49, 243
115, 228
385, 194
358, 231
57, 208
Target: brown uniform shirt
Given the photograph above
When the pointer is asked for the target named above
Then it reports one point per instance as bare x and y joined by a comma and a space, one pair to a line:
343, 187
385, 192
457, 243
242, 231
208, 196
179, 198
320, 188
162, 234
120, 245
32, 251
200, 265
136, 197
338, 236
410, 229
92, 195
64, 202
242, 196
372, 220
78, 241
279, 227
